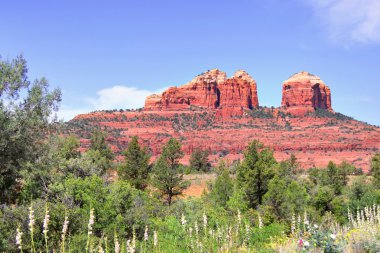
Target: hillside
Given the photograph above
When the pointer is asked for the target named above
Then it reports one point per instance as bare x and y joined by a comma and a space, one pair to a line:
223, 114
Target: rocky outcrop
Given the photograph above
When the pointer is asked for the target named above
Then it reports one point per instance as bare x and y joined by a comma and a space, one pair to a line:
305, 92
153, 102
210, 90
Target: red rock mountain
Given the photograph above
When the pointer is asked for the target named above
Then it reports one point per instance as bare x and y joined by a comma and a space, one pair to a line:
211, 90
304, 92
222, 115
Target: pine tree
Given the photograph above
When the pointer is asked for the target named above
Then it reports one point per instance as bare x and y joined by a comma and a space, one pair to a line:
136, 167
167, 175
255, 172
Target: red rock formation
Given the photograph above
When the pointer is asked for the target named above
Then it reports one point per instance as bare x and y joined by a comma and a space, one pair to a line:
304, 92
153, 102
211, 90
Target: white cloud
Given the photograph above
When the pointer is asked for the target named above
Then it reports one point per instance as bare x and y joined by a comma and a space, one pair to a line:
349, 21
116, 97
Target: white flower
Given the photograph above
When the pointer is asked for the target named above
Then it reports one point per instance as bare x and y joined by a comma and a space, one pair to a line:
315, 226
306, 243
155, 238
46, 221
333, 236
183, 220
31, 219
146, 237
19, 238
239, 217
117, 245
91, 221
65, 227
204, 220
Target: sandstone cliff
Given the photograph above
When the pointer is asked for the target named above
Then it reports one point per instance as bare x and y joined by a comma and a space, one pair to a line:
210, 90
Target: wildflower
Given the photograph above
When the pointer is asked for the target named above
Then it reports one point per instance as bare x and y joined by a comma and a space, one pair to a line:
46, 222
19, 239
146, 237
31, 219
91, 221
239, 217
333, 236
196, 229
183, 220
300, 243
31, 225
315, 226
306, 243
293, 225
117, 245
65, 227
204, 220
260, 222
155, 238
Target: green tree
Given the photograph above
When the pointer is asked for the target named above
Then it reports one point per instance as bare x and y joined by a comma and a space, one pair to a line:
199, 160
68, 147
223, 186
25, 118
255, 172
322, 199
135, 167
167, 175
98, 142
375, 170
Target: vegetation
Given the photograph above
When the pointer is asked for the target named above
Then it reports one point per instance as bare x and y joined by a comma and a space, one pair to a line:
57, 199
199, 160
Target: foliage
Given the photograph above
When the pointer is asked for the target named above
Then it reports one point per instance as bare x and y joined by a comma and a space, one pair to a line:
199, 160
222, 189
375, 170
25, 114
135, 167
255, 172
167, 176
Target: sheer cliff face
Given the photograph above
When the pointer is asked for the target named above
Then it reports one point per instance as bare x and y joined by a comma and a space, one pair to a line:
304, 92
211, 90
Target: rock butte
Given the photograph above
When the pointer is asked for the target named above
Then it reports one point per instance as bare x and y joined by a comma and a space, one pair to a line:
304, 92
222, 115
213, 90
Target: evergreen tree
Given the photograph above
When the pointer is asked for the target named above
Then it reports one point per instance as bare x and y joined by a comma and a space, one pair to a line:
375, 170
222, 189
98, 142
136, 167
167, 174
199, 160
255, 172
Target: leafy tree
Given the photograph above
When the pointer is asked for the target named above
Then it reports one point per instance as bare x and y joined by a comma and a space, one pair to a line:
136, 166
285, 197
199, 160
375, 170
255, 172
222, 189
322, 199
167, 176
25, 115
68, 147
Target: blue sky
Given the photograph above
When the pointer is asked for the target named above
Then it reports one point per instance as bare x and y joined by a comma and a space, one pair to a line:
111, 54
